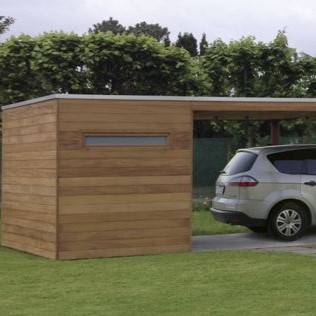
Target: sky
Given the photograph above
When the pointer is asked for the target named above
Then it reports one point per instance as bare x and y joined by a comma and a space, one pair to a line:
225, 19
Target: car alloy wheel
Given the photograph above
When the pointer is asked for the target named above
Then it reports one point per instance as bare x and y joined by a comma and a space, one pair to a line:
288, 221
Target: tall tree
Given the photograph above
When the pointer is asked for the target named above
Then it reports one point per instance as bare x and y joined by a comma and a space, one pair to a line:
167, 41
18, 80
188, 42
243, 67
306, 86
59, 63
154, 30
129, 64
5, 22
110, 25
216, 64
279, 68
203, 45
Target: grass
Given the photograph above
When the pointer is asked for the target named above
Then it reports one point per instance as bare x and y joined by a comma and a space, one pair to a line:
217, 283
204, 224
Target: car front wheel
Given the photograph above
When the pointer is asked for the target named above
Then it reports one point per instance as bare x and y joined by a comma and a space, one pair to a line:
288, 221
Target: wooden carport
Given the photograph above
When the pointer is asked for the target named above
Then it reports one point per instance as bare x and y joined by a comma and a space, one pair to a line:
255, 109
88, 176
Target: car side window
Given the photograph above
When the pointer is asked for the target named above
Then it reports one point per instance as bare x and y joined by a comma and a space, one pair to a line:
310, 162
289, 162
310, 166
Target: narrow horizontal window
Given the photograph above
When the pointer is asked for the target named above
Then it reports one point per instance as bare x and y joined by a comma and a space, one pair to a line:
127, 140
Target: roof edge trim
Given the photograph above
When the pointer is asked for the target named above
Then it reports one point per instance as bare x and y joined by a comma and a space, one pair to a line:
155, 98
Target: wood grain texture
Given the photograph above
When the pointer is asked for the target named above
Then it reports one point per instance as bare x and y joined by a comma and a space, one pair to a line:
29, 179
252, 110
65, 200
124, 200
128, 251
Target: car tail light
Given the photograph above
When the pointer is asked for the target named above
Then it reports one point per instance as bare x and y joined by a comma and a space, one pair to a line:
243, 181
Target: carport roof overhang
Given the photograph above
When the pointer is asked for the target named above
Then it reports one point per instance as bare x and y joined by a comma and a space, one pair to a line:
254, 108
215, 108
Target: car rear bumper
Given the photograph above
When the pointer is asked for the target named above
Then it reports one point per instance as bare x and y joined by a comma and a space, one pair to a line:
237, 218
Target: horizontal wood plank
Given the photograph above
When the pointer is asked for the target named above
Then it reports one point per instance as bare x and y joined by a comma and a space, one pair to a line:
30, 130
30, 198
125, 234
118, 252
30, 164
120, 189
123, 198
130, 106
125, 117
30, 173
24, 156
124, 152
123, 172
123, 181
31, 241
31, 138
121, 207
31, 224
31, 233
47, 182
113, 216
124, 162
28, 206
26, 148
127, 127
30, 121
47, 107
124, 225
6, 242
94, 102
119, 243
29, 189
29, 215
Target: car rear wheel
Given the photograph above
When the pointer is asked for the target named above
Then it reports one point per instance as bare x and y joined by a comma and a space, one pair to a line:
288, 221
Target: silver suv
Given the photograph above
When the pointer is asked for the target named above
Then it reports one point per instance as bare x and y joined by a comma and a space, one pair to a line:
270, 188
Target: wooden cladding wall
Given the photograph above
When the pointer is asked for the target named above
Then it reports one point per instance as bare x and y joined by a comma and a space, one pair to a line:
124, 200
29, 176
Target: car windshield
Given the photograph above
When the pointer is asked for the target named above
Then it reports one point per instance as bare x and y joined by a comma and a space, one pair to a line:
241, 162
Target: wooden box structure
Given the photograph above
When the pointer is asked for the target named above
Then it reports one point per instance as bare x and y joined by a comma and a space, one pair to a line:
65, 198
100, 176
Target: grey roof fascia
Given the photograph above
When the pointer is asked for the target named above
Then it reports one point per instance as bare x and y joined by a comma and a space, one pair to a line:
155, 98
31, 101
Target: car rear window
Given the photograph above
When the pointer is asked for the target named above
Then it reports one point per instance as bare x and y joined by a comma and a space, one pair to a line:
241, 162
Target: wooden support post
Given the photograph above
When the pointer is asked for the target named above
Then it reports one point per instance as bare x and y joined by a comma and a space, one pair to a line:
275, 132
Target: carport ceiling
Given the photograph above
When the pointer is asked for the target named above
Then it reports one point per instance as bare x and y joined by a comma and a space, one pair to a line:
253, 108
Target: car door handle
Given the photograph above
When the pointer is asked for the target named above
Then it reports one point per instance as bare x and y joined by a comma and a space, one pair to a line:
311, 183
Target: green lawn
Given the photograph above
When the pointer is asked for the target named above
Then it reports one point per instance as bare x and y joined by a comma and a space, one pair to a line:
217, 283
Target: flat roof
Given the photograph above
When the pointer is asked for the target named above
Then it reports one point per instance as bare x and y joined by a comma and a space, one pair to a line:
223, 108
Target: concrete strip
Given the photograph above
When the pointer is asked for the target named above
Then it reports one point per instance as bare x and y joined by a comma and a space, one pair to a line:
305, 245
